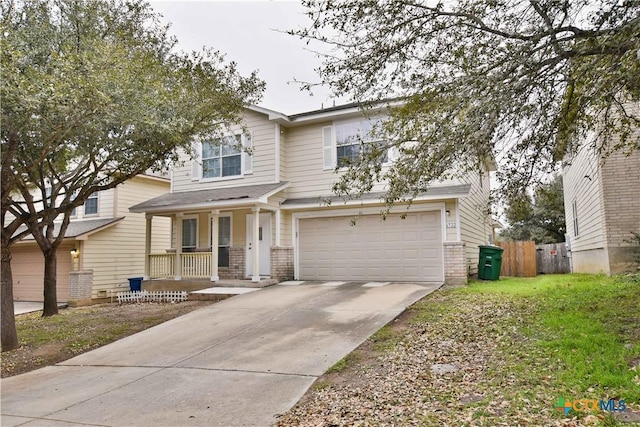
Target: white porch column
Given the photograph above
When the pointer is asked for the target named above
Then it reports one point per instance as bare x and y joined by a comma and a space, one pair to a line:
255, 252
215, 232
147, 247
177, 271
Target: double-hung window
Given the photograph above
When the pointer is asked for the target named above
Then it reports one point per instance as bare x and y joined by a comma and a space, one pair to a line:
344, 142
224, 240
189, 234
91, 205
222, 158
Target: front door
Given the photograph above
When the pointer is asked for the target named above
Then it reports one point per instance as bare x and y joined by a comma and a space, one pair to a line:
264, 238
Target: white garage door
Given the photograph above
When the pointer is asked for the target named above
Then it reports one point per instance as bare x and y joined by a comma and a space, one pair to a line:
27, 268
397, 249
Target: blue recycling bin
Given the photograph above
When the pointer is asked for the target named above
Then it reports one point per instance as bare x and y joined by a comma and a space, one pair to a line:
135, 284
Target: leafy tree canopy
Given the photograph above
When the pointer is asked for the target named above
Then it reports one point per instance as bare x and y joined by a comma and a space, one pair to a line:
524, 81
540, 218
94, 93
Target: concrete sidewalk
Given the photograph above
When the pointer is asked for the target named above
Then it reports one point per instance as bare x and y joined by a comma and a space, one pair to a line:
239, 362
21, 307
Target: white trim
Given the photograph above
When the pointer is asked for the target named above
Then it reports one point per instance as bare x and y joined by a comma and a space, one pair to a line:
84, 205
443, 228
182, 219
222, 178
221, 215
297, 216
247, 157
202, 178
236, 203
458, 228
277, 227
196, 161
277, 153
362, 202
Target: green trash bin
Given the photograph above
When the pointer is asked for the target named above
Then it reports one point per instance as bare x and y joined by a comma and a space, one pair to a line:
490, 262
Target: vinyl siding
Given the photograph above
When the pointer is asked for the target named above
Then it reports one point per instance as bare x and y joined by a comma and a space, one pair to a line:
304, 163
474, 219
284, 155
263, 138
582, 185
117, 253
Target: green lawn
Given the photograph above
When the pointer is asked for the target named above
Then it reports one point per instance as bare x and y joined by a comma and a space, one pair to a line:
583, 330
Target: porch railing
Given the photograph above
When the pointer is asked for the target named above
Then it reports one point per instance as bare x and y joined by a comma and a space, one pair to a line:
161, 266
195, 265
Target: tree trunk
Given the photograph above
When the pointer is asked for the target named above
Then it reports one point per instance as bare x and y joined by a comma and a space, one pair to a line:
50, 281
8, 327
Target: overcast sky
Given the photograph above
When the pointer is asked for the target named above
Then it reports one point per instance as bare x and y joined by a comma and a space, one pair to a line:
245, 32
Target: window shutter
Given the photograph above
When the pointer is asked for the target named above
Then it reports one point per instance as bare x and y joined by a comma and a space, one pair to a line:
196, 161
247, 143
328, 150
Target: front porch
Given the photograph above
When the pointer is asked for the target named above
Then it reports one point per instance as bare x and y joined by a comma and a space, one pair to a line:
218, 235
199, 267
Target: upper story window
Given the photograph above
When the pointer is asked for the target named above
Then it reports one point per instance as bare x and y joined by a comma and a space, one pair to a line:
91, 205
225, 157
222, 157
344, 142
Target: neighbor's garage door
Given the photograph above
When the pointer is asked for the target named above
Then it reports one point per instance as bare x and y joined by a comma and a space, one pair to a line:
27, 267
397, 249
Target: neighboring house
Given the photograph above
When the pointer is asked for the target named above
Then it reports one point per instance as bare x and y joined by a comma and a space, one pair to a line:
104, 245
602, 208
267, 216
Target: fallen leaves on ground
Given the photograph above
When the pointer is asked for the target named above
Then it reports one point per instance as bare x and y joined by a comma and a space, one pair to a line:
497, 382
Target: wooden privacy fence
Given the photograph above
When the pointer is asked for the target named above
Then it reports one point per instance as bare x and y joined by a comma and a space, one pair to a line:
518, 259
552, 259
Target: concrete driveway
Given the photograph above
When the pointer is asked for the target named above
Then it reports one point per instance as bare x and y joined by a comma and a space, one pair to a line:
239, 362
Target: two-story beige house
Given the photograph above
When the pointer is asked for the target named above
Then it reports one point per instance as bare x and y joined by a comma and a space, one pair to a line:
263, 213
103, 246
602, 208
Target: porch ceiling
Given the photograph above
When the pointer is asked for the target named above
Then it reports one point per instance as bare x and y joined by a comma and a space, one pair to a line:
210, 199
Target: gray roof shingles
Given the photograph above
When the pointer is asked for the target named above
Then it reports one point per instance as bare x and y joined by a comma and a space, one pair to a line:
78, 228
186, 198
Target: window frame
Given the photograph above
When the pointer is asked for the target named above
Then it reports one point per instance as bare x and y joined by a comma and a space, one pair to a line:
364, 127
197, 233
244, 141
226, 215
93, 196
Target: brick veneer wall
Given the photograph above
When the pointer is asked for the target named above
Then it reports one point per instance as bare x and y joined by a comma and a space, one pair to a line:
455, 269
281, 263
237, 264
80, 284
